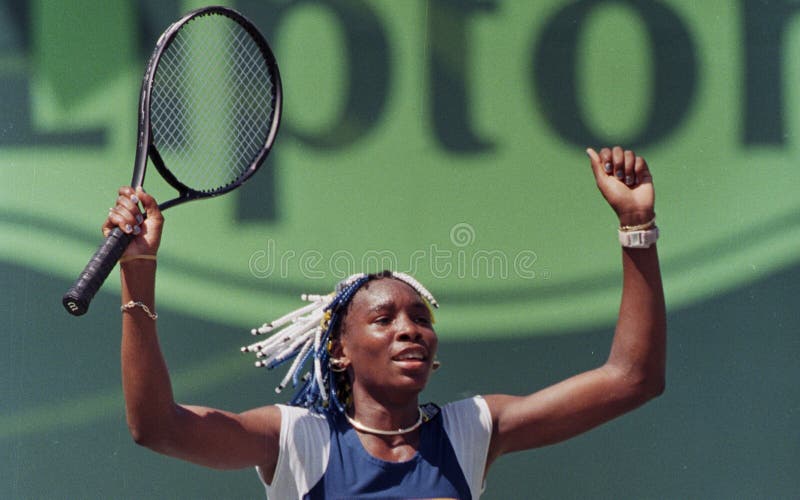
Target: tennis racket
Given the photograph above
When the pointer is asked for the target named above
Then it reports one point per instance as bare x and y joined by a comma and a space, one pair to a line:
209, 111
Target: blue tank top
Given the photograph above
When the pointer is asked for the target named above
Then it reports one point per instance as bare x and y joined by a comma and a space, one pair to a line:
353, 473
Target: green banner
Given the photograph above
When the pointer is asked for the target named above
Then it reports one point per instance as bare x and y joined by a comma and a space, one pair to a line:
443, 139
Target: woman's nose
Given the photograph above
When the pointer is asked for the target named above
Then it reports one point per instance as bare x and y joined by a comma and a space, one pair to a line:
408, 329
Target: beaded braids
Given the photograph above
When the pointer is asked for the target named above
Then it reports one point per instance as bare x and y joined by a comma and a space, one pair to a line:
308, 333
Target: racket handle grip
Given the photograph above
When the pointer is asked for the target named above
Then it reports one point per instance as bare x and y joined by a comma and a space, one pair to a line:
76, 300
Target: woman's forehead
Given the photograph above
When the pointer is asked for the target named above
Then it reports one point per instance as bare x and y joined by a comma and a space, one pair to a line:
384, 293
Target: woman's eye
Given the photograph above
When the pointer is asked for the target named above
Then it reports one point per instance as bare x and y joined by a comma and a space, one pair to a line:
383, 320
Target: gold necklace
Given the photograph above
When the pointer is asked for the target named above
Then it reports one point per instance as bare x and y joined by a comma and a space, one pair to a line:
363, 428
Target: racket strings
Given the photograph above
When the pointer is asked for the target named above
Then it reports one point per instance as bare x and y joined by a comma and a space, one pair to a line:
212, 103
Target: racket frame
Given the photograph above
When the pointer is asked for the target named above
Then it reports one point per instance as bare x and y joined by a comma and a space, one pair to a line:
145, 139
77, 299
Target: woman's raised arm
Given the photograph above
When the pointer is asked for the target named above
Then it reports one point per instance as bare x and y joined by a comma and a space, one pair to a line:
201, 435
635, 368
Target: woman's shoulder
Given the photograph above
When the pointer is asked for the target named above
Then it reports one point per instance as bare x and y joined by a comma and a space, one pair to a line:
471, 404
470, 413
298, 411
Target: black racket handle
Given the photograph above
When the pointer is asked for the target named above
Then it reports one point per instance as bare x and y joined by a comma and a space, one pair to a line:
77, 299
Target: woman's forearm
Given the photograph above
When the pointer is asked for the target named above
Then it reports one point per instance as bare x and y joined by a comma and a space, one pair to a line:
639, 346
149, 402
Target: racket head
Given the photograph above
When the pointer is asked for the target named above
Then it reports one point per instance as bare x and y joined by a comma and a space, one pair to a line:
210, 105
209, 112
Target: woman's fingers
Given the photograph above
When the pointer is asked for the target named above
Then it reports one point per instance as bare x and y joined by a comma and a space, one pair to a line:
642, 171
125, 214
599, 166
149, 204
620, 163
629, 160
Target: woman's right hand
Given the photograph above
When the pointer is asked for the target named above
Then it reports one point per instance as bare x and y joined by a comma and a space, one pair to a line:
126, 215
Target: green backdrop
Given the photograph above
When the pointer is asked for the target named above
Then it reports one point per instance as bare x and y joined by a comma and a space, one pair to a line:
443, 138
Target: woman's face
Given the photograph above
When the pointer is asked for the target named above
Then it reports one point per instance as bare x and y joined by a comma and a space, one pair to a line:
387, 339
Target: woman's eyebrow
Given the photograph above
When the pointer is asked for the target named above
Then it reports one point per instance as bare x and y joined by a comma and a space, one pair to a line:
421, 306
382, 306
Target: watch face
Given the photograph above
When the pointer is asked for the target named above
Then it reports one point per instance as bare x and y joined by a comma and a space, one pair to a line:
638, 239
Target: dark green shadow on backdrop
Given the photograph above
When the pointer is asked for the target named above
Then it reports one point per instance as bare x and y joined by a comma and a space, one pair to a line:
727, 427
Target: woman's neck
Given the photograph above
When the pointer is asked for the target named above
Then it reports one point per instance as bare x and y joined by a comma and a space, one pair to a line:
384, 416
399, 429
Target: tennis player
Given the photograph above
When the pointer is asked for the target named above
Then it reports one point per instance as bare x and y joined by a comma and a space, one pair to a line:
355, 427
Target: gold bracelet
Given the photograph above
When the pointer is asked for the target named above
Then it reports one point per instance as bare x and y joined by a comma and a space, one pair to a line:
640, 227
132, 304
141, 256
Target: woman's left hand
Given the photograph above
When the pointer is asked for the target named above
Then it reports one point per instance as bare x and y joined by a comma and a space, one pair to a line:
625, 182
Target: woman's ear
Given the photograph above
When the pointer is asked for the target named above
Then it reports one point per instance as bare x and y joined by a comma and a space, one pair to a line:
336, 348
338, 360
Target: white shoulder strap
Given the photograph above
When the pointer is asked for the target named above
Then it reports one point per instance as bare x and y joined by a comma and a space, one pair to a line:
468, 424
303, 456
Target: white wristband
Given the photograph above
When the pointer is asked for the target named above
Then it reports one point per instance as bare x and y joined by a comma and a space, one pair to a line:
638, 239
